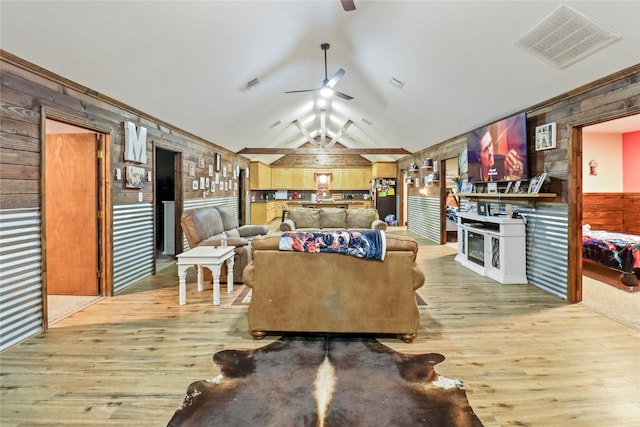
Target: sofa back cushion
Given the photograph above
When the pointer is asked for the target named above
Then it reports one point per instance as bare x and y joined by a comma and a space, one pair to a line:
333, 218
229, 217
200, 224
361, 218
305, 217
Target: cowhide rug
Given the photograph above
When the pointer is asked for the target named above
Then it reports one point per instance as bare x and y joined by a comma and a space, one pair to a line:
325, 380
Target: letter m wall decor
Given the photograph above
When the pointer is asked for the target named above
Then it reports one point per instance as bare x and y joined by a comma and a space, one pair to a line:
135, 143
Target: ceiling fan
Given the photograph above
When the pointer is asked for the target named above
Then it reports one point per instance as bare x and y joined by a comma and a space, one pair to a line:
348, 5
326, 83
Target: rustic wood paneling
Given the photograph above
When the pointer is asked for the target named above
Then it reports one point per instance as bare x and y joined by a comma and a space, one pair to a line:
612, 211
26, 88
320, 160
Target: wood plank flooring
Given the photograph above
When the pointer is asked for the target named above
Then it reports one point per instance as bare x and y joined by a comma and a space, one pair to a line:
526, 357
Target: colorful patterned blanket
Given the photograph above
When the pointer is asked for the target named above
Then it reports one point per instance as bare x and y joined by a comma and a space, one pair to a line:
370, 244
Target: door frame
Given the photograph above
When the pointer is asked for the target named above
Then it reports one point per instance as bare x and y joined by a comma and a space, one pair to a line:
574, 202
105, 242
177, 197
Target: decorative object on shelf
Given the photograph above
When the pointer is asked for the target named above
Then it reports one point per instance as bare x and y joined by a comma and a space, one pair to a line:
508, 187
492, 187
536, 183
516, 186
428, 163
467, 187
458, 180
463, 161
546, 137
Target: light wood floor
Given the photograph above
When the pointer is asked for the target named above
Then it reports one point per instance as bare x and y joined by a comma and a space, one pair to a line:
526, 357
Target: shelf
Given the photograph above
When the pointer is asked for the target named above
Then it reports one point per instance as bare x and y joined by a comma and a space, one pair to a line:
508, 195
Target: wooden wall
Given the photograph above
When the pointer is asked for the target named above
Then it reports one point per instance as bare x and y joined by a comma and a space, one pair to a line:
612, 211
611, 97
25, 88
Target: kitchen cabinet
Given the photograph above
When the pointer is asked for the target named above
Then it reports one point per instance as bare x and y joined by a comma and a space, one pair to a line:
384, 170
259, 176
287, 179
356, 178
336, 179
298, 179
309, 179
276, 178
265, 212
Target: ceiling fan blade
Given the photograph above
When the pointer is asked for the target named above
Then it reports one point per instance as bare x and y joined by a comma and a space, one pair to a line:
336, 78
348, 5
342, 95
299, 91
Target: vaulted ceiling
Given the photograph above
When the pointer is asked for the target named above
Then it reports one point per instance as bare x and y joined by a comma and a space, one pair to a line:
189, 63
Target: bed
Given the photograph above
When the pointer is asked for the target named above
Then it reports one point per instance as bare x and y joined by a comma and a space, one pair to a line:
616, 251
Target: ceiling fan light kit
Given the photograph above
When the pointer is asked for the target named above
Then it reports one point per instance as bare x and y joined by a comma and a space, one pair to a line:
327, 88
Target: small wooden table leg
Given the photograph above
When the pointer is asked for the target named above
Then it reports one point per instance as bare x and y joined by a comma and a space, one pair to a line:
215, 271
200, 279
182, 275
230, 274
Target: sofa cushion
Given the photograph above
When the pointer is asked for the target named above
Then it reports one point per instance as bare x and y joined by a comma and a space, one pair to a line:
305, 217
361, 218
229, 217
231, 241
200, 224
249, 231
333, 218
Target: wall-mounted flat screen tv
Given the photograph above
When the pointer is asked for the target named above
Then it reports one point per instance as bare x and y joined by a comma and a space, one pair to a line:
498, 151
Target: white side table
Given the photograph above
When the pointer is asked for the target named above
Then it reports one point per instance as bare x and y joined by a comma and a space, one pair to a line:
210, 257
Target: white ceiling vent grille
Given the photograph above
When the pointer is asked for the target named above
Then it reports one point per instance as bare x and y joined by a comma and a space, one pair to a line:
566, 37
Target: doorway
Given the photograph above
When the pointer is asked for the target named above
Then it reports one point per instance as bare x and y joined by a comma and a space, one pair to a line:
72, 220
608, 177
165, 226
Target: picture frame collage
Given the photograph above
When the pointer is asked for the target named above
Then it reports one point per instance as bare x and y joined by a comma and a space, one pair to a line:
218, 177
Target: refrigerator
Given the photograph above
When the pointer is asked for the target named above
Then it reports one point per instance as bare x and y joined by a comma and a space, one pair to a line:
384, 197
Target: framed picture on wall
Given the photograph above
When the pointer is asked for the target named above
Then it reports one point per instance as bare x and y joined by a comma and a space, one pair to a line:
135, 177
191, 166
217, 160
546, 137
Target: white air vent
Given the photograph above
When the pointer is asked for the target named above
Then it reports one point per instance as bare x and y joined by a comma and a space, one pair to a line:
566, 37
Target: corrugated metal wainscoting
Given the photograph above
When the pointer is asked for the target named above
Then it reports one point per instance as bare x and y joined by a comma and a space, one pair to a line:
20, 275
231, 202
424, 217
133, 248
547, 247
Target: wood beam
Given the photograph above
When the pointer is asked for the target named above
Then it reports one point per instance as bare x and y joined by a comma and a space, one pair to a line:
331, 151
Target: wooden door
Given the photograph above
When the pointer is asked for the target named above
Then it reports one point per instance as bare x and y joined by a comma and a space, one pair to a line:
71, 214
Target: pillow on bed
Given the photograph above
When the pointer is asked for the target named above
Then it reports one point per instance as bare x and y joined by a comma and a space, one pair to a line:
586, 228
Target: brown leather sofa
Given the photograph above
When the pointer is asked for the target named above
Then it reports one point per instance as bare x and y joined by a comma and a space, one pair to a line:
204, 227
327, 292
325, 219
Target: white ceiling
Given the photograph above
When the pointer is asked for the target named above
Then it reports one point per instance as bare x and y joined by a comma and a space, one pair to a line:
187, 63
